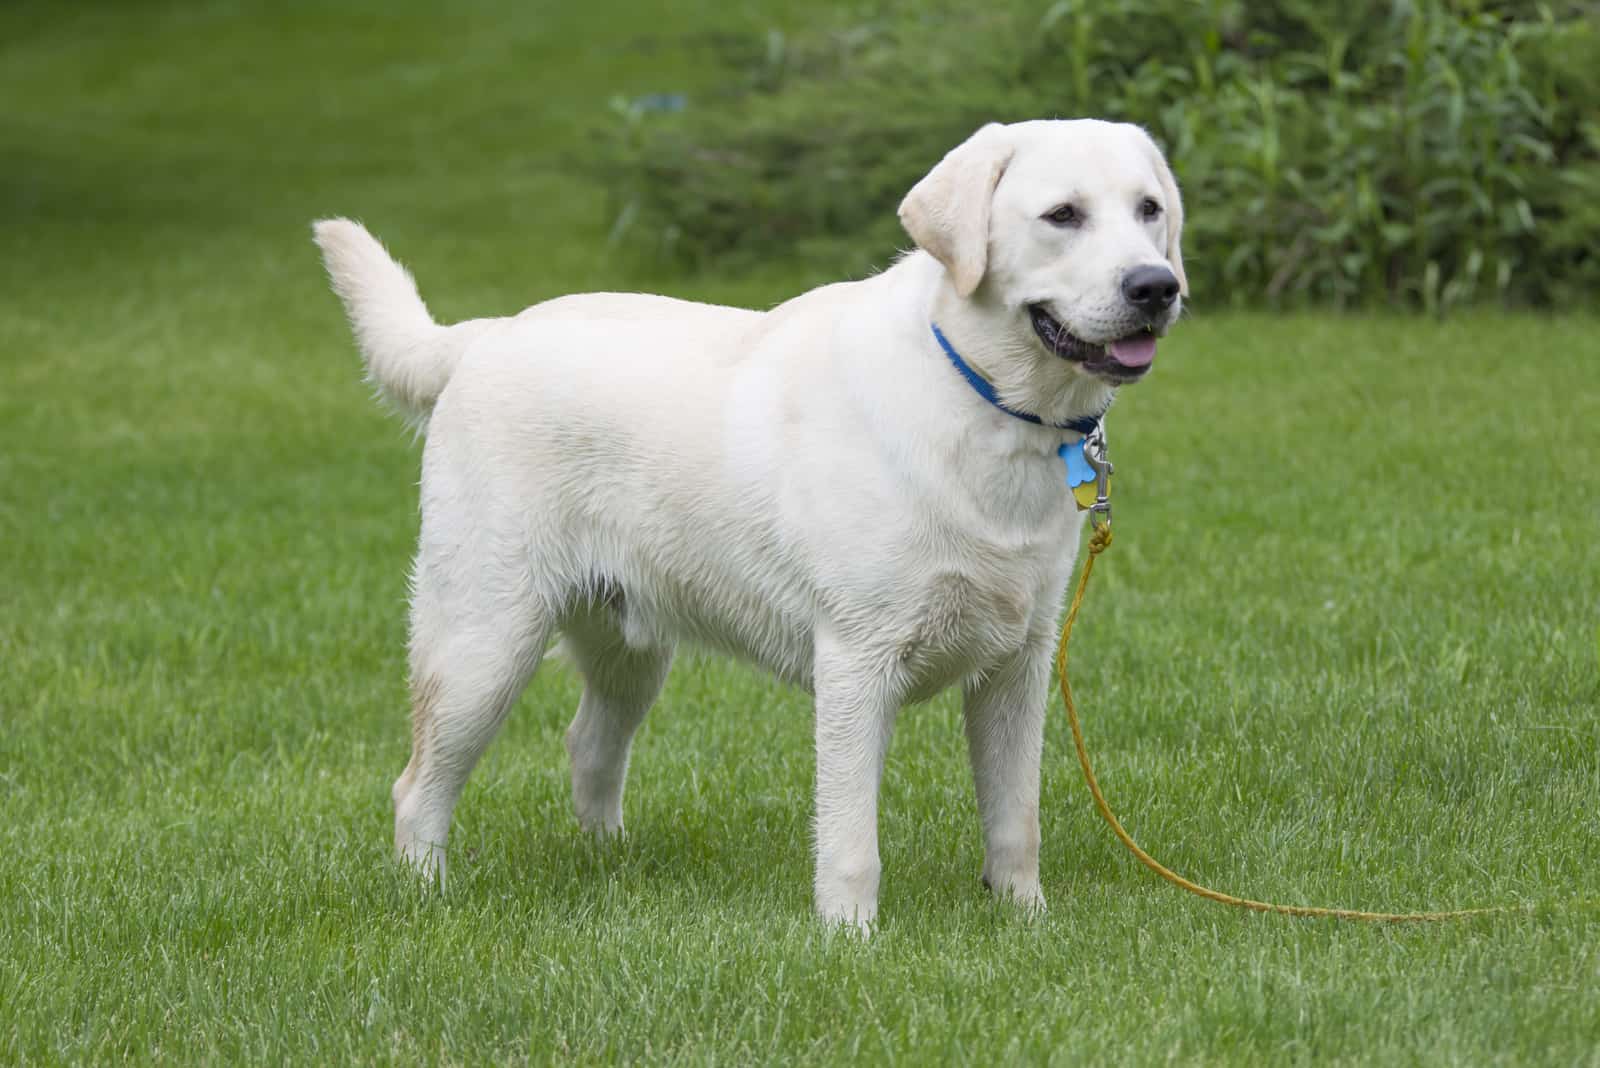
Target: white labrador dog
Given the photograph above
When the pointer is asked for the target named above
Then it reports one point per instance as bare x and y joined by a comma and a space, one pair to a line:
859, 490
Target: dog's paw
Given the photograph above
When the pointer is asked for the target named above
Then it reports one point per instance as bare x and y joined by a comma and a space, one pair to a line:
858, 921
847, 896
1024, 893
425, 860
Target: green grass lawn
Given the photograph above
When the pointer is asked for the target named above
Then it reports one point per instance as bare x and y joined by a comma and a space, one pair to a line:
1343, 652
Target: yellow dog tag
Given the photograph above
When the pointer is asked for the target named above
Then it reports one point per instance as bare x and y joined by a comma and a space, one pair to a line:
1085, 494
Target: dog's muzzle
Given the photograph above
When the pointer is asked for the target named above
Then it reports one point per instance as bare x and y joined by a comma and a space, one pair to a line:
1123, 360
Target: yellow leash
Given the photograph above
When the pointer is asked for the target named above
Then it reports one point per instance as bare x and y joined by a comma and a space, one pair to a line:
1099, 541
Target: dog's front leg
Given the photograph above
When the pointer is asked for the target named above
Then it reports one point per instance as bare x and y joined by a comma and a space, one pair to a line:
855, 716
1005, 736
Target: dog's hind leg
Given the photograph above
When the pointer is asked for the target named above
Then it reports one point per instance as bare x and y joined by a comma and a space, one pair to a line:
469, 664
621, 682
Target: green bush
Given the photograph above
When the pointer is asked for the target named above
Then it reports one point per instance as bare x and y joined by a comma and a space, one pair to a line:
1421, 153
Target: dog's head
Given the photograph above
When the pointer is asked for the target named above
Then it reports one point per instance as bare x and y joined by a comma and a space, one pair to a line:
1063, 235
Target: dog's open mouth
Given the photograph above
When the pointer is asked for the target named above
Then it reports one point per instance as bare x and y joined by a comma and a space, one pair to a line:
1122, 360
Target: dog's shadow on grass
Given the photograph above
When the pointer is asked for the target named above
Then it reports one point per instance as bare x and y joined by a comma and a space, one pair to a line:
745, 852
750, 860
722, 850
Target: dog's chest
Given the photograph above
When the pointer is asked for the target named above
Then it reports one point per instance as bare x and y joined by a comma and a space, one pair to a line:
958, 621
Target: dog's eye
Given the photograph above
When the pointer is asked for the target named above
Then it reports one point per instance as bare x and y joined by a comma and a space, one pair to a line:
1064, 215
1149, 209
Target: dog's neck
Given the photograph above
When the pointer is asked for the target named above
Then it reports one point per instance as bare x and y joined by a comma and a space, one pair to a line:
998, 343
985, 390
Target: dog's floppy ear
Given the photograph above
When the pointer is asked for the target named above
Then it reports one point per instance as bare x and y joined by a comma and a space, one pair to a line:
947, 213
1169, 193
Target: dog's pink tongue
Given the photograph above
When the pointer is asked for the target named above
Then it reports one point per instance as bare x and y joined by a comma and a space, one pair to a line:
1134, 351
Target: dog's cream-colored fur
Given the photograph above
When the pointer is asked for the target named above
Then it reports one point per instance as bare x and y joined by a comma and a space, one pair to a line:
814, 489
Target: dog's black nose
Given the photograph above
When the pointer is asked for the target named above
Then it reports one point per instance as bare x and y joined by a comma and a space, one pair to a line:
1150, 289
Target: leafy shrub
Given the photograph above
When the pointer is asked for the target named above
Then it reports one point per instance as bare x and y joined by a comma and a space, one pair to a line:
1422, 152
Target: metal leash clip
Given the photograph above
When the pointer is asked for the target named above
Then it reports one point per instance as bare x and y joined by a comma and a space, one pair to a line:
1095, 451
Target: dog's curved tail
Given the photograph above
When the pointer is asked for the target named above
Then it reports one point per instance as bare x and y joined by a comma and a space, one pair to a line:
409, 357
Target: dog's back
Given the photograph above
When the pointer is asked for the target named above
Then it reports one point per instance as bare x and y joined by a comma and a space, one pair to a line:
410, 357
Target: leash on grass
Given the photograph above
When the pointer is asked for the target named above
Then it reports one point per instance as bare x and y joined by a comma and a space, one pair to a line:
1099, 541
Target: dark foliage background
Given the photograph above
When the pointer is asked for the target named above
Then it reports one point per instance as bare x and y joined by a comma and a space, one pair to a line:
1374, 152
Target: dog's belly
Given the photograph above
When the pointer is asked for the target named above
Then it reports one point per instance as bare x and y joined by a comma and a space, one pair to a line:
942, 629
780, 647
756, 630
